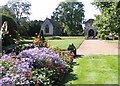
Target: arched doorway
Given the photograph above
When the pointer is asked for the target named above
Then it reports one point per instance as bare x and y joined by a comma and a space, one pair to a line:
91, 33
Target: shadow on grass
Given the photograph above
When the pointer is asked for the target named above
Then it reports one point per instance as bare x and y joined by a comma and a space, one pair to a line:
28, 38
79, 56
70, 76
26, 42
74, 64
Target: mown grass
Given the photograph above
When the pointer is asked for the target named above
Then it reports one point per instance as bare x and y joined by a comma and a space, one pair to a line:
56, 41
97, 69
61, 42
64, 42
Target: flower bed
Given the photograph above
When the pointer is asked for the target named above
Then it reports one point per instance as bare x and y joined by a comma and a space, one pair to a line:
38, 66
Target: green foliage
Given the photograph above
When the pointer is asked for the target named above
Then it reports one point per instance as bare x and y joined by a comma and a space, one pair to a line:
47, 76
49, 70
42, 38
34, 27
12, 29
118, 17
6, 11
70, 15
108, 21
23, 28
55, 37
30, 28
72, 48
21, 9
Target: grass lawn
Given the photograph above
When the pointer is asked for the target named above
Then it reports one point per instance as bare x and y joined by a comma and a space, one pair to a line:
97, 69
64, 42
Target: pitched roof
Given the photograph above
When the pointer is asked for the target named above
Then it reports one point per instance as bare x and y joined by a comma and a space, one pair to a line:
90, 21
54, 23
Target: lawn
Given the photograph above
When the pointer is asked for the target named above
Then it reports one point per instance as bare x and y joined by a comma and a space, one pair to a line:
97, 69
58, 41
55, 41
64, 42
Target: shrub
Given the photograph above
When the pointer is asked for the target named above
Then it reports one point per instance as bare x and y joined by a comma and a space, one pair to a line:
55, 37
72, 48
12, 28
33, 66
40, 40
103, 36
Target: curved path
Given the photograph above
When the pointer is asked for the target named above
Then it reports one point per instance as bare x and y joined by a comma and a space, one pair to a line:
93, 47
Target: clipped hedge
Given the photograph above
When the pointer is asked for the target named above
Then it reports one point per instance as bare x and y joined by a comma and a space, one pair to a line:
12, 29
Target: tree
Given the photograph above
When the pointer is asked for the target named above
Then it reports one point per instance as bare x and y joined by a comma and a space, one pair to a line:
21, 9
118, 17
34, 27
70, 15
107, 22
6, 11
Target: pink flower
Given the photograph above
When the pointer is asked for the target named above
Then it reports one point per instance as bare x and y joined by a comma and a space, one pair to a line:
70, 58
27, 74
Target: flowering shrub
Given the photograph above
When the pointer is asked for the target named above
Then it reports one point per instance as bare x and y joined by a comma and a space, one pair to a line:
36, 41
68, 57
40, 42
39, 66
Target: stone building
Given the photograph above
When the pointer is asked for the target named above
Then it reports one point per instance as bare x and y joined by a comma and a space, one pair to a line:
89, 29
51, 27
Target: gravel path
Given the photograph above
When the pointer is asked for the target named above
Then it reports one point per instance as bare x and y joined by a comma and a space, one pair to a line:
93, 47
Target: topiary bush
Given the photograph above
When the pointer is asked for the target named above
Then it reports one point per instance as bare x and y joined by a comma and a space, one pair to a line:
72, 48
12, 30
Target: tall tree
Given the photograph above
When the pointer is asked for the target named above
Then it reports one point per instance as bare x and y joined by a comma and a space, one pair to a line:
108, 21
21, 9
70, 15
6, 11
34, 27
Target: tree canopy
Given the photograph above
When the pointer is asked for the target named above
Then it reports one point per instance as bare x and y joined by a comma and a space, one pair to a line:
6, 11
109, 20
70, 15
34, 27
21, 9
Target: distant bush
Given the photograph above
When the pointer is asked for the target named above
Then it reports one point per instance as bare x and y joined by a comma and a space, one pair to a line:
103, 36
55, 37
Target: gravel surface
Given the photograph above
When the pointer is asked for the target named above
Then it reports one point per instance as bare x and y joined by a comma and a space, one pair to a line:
95, 47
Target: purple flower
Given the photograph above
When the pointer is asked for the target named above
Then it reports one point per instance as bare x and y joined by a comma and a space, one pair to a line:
24, 63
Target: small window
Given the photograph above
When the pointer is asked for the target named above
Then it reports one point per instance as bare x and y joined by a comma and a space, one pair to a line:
47, 29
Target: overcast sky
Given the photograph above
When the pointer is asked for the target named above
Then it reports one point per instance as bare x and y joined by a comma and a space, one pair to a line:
43, 8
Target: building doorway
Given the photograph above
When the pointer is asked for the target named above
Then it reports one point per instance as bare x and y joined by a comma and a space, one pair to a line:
91, 33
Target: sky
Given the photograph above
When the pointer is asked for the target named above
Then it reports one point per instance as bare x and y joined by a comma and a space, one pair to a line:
42, 9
